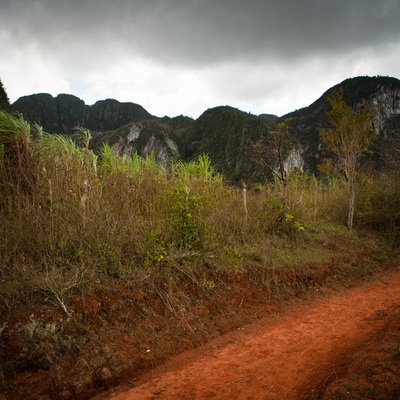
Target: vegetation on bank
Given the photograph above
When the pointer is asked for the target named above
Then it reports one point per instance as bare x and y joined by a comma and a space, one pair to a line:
72, 220
104, 257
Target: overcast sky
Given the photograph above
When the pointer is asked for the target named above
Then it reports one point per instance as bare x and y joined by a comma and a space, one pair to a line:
184, 56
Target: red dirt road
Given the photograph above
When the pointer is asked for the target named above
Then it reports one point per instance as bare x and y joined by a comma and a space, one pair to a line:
282, 358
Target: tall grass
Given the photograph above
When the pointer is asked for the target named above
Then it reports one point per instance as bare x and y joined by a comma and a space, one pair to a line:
70, 219
378, 205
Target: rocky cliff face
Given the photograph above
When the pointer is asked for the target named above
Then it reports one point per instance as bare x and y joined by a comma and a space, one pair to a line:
144, 138
111, 114
380, 93
61, 114
385, 101
66, 113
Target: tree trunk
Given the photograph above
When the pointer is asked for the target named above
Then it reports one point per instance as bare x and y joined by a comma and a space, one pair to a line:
352, 196
284, 192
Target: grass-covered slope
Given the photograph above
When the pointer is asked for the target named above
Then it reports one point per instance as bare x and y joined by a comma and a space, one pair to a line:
103, 257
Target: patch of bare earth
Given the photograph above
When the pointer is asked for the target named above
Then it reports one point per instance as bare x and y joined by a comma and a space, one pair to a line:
236, 343
343, 347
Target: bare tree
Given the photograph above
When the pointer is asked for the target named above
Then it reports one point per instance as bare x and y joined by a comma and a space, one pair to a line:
271, 153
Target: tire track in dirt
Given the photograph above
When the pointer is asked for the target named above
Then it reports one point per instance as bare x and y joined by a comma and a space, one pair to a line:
273, 360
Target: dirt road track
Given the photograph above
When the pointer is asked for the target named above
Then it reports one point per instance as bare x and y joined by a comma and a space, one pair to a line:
280, 359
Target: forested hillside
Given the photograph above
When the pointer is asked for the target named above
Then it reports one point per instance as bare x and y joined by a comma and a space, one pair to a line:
226, 134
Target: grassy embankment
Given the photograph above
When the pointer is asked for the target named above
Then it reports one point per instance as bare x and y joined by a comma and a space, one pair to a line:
79, 225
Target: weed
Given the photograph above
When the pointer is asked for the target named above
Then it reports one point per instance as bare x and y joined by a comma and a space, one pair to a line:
231, 257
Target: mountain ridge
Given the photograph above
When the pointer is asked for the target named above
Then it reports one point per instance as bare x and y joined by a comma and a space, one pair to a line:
382, 94
225, 133
67, 112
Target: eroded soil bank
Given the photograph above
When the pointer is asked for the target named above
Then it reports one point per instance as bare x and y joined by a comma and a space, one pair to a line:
123, 329
341, 347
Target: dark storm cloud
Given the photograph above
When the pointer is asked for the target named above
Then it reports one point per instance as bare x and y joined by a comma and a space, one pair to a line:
183, 56
202, 31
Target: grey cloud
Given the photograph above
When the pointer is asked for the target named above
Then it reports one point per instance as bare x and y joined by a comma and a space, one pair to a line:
246, 52
202, 32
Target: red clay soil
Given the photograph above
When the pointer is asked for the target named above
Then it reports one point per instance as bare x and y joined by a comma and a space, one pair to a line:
295, 356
